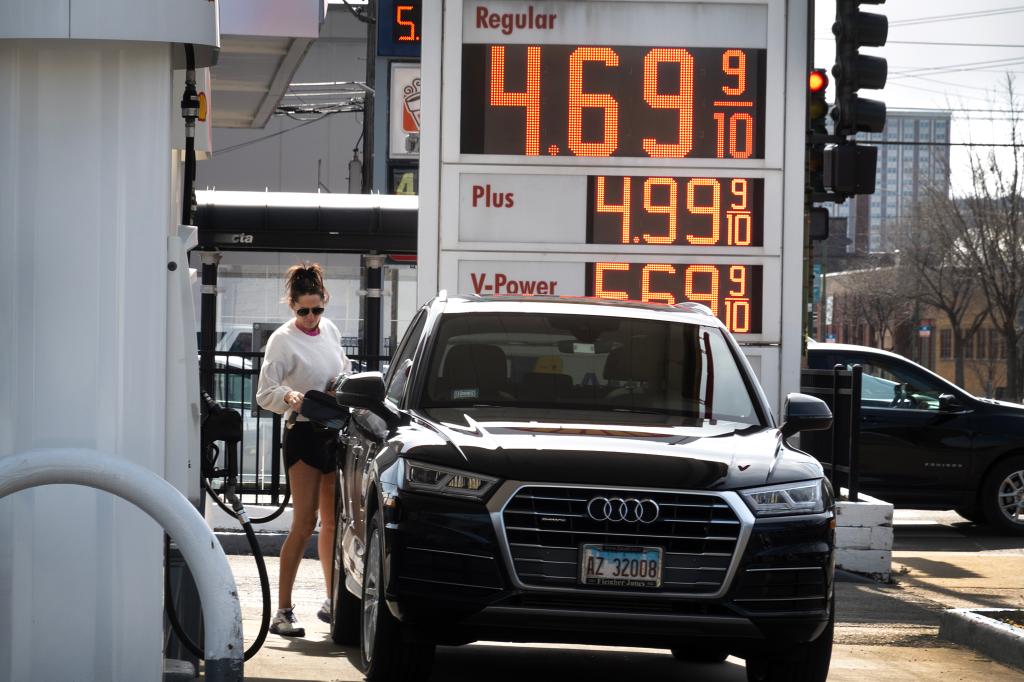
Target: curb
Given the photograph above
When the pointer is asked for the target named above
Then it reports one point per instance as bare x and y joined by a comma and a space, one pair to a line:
235, 543
980, 630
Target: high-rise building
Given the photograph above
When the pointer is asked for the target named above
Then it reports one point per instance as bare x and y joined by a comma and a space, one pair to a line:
913, 160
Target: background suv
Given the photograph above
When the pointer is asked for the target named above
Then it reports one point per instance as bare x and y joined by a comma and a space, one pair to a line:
928, 444
579, 471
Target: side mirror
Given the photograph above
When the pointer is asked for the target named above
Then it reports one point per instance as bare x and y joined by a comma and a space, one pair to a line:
804, 413
366, 391
948, 403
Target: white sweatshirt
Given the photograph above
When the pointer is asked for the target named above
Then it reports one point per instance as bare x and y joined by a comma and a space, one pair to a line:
296, 361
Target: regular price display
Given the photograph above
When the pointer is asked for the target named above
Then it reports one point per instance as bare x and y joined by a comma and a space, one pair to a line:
675, 211
599, 101
733, 292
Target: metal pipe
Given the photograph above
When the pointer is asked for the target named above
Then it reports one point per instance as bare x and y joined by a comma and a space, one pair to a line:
169, 508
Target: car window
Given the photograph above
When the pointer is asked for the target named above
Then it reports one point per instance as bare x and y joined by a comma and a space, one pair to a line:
242, 343
892, 384
586, 362
401, 365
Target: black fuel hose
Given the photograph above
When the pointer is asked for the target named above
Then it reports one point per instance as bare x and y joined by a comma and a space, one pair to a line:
261, 567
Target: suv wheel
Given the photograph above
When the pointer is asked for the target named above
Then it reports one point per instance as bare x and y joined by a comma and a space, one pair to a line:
344, 605
385, 655
806, 662
1002, 495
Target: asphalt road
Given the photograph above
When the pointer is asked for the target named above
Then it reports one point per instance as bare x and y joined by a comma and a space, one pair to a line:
884, 632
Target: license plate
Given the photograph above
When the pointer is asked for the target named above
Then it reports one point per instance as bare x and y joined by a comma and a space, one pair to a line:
620, 566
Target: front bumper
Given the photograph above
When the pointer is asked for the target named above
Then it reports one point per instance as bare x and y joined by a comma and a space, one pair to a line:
450, 579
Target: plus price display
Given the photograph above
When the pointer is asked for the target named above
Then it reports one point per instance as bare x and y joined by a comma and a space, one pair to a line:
613, 101
733, 292
675, 211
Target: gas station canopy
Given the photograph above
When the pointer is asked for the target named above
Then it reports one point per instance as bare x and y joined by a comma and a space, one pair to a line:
262, 45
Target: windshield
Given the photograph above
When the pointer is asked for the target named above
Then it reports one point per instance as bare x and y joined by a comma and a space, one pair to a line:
586, 362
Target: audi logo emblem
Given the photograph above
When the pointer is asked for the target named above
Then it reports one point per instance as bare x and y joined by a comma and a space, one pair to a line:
630, 510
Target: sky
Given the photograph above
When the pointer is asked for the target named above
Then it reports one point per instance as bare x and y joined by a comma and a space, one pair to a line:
926, 74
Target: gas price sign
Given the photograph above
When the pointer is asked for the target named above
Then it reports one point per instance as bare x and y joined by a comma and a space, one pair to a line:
733, 292
675, 211
622, 149
597, 100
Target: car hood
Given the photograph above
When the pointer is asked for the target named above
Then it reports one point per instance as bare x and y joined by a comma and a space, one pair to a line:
695, 455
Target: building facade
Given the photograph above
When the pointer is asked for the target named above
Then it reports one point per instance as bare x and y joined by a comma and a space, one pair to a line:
913, 160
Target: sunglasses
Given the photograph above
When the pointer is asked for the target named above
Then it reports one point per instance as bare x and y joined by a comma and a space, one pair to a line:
302, 312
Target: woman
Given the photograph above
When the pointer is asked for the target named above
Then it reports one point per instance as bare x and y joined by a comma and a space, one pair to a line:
303, 354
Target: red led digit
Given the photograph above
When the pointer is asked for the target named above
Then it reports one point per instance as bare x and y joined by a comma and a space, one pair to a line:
671, 209
407, 23
720, 136
713, 210
529, 99
738, 186
648, 296
683, 101
730, 129
737, 315
740, 228
709, 296
748, 136
738, 276
604, 207
579, 100
734, 63
599, 290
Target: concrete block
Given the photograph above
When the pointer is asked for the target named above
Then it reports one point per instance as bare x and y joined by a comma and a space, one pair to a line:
863, 514
874, 562
983, 631
853, 537
881, 537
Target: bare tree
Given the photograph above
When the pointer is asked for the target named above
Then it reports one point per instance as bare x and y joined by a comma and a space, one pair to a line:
938, 275
989, 228
879, 298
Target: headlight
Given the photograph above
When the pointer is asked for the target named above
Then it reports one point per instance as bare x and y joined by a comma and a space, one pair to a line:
428, 478
805, 497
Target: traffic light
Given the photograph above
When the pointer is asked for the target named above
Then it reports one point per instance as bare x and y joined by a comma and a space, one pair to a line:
854, 29
817, 112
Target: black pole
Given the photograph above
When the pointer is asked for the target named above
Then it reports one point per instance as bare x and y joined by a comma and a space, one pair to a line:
374, 264
836, 376
208, 320
854, 475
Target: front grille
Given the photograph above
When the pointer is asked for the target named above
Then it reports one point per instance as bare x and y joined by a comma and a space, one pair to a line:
773, 589
545, 527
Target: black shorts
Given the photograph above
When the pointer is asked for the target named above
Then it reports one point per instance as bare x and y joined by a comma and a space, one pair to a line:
311, 444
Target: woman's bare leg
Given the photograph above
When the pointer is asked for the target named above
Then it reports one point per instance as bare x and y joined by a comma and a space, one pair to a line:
325, 543
304, 482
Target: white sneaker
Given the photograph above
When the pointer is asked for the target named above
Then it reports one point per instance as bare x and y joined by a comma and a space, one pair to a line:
286, 624
324, 613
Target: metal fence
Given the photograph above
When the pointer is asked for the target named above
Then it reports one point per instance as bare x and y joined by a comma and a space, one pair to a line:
838, 449
261, 475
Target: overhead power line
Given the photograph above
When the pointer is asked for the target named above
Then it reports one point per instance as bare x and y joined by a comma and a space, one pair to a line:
938, 43
958, 16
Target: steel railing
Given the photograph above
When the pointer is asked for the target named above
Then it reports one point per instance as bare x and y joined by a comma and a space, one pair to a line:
260, 469
838, 448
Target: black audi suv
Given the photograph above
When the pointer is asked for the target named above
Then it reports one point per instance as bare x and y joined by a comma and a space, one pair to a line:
579, 471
